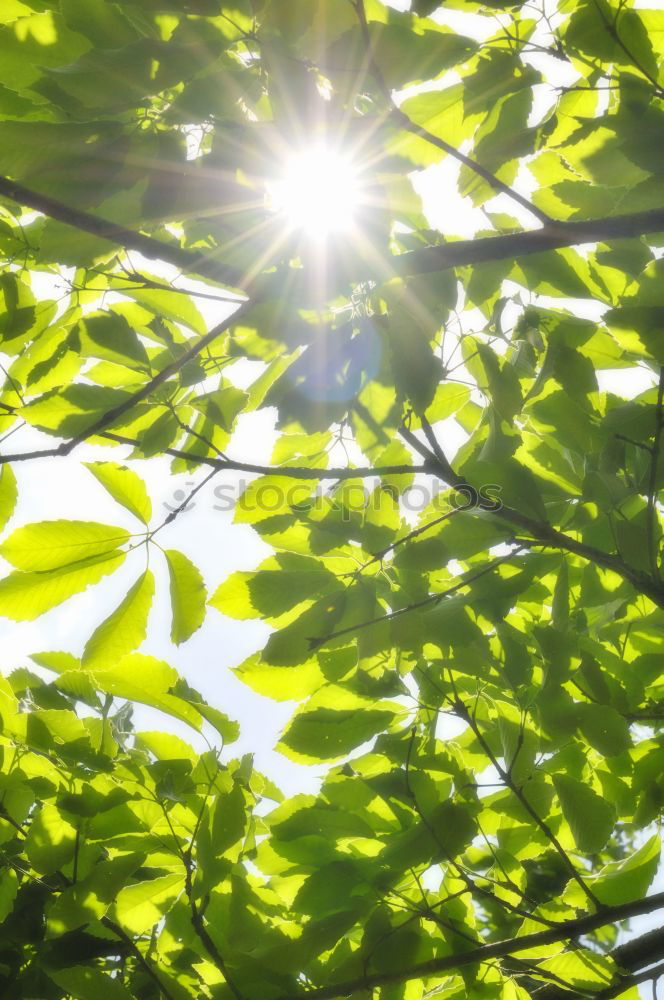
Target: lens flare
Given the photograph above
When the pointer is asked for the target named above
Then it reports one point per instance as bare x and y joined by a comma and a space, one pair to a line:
317, 192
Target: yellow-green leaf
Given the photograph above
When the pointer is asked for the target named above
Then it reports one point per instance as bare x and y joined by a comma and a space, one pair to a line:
26, 596
147, 680
124, 486
8, 494
51, 840
139, 907
87, 983
49, 545
125, 629
188, 596
590, 817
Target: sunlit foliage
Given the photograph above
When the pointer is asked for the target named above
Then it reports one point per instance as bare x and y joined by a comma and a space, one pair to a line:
482, 680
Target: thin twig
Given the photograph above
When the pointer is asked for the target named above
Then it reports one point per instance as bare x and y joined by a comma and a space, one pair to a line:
402, 119
426, 601
137, 397
506, 776
145, 964
612, 29
289, 471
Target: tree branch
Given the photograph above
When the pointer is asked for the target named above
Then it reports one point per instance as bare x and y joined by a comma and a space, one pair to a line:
402, 119
118, 411
506, 777
202, 932
138, 955
289, 471
542, 532
553, 237
186, 260
425, 261
565, 931
631, 956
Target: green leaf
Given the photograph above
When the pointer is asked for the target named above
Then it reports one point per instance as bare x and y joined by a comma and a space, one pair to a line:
8, 892
605, 729
589, 30
8, 494
125, 629
188, 596
108, 336
124, 486
590, 817
90, 898
560, 603
25, 596
139, 907
86, 983
146, 680
410, 326
51, 840
582, 968
332, 723
53, 544
173, 305
626, 880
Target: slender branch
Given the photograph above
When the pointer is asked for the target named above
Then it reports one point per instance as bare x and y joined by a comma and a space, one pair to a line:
402, 119
202, 932
4, 814
506, 777
183, 506
415, 533
439, 459
542, 532
461, 872
612, 29
424, 261
564, 931
499, 186
432, 439
128, 404
187, 260
636, 444
289, 471
138, 955
430, 599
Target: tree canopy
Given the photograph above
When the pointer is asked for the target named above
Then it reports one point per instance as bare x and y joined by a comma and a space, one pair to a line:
482, 677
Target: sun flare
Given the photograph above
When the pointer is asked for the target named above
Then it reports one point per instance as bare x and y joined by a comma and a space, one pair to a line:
317, 192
